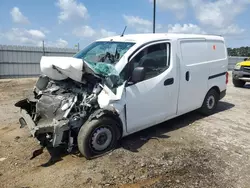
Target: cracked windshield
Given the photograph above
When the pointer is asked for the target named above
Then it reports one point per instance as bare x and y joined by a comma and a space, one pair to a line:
103, 55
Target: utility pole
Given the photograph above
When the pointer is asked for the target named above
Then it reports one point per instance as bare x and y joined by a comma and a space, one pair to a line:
154, 8
43, 49
78, 47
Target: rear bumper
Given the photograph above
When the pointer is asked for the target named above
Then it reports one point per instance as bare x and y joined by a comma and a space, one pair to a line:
55, 128
241, 75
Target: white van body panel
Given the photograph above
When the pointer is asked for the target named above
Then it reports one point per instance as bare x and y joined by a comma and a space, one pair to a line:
193, 74
201, 59
151, 102
219, 62
107, 99
147, 103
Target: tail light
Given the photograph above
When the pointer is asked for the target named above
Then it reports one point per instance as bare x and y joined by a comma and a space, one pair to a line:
226, 77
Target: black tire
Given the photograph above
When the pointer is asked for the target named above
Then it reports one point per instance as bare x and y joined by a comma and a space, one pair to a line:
210, 103
238, 83
87, 137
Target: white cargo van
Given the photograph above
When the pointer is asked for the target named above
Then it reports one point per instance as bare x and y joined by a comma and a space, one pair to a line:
120, 85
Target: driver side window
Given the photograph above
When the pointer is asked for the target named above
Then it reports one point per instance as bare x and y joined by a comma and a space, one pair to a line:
155, 59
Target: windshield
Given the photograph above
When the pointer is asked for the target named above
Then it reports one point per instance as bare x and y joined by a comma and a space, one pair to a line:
104, 52
102, 56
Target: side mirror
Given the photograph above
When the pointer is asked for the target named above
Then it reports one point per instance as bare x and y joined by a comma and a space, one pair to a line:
138, 74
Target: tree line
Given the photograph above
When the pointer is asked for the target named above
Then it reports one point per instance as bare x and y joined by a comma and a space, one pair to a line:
242, 51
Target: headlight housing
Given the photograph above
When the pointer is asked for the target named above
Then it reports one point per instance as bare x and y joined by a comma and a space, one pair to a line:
237, 66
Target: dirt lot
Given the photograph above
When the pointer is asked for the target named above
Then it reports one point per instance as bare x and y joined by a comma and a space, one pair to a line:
189, 151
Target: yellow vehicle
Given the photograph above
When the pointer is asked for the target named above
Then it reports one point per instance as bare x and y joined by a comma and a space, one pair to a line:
241, 73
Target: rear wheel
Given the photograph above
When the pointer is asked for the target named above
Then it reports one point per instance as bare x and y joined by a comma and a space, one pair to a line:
238, 83
97, 137
210, 103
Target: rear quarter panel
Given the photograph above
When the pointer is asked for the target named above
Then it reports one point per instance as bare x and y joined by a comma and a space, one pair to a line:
218, 61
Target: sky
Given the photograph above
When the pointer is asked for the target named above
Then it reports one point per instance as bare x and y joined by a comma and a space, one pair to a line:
65, 23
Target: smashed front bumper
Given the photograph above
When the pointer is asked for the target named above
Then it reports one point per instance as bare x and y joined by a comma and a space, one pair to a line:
242, 74
52, 132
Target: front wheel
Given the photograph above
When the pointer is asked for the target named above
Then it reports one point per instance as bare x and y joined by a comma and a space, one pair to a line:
97, 137
210, 103
238, 83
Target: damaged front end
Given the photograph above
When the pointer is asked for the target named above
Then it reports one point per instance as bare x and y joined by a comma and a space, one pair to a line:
63, 99
58, 109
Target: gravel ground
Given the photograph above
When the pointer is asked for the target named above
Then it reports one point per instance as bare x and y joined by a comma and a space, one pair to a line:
189, 151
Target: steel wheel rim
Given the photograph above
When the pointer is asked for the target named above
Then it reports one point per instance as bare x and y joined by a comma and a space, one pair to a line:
210, 102
101, 139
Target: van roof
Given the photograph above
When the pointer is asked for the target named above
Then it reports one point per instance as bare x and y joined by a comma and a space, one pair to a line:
147, 37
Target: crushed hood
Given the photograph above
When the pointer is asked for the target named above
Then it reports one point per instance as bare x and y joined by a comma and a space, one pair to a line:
60, 68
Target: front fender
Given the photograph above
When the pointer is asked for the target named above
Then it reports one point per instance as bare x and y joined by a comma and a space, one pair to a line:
108, 111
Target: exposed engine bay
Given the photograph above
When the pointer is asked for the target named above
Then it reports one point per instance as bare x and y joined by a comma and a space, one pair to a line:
64, 97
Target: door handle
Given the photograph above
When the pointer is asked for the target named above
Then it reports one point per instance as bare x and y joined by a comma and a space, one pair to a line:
169, 81
187, 75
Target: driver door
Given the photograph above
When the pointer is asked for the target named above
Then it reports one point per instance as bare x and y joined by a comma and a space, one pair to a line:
154, 99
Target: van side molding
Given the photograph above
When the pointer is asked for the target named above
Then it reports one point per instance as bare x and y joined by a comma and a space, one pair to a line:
217, 75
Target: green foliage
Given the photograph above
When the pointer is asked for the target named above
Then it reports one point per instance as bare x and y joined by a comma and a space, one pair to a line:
242, 51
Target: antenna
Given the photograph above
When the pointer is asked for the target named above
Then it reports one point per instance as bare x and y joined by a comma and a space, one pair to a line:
123, 31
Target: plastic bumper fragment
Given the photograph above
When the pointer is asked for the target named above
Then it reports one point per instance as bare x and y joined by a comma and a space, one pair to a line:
55, 127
